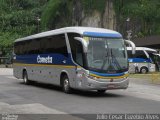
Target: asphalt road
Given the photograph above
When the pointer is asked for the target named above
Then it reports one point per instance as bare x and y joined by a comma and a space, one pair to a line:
16, 97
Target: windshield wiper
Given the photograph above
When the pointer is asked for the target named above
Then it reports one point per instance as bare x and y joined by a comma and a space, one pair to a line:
114, 60
106, 57
109, 59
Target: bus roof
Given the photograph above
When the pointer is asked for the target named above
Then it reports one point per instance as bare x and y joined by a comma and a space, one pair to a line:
142, 48
86, 31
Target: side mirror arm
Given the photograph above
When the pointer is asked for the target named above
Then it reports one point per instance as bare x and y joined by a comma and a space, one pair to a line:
132, 45
84, 43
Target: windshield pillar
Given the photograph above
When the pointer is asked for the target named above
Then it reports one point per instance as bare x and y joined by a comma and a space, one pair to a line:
77, 50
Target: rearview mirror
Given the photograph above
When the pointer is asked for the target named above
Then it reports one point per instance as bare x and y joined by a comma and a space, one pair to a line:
84, 43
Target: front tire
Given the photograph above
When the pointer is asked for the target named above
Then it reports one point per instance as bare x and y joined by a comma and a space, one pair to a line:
66, 84
101, 91
144, 70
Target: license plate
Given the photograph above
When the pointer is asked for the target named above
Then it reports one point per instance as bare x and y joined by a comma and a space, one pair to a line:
111, 86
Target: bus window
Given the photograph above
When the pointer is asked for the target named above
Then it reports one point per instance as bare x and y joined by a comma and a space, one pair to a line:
16, 48
140, 54
130, 55
79, 53
43, 44
56, 44
19, 48
76, 49
34, 46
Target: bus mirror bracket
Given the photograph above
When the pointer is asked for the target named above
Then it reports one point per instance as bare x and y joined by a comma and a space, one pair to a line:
132, 45
84, 43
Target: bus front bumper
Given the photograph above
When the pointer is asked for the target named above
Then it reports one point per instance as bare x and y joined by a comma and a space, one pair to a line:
91, 84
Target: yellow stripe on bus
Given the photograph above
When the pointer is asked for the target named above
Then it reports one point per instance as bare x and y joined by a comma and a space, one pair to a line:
60, 66
116, 77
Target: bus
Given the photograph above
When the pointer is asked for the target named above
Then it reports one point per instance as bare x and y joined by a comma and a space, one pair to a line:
143, 61
82, 58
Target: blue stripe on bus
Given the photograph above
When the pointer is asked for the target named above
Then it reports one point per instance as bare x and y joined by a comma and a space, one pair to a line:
56, 59
106, 74
97, 34
139, 60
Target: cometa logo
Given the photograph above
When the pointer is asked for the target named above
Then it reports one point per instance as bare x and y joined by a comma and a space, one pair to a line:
44, 59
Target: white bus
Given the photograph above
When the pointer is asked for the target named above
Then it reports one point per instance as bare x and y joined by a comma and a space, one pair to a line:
74, 57
143, 60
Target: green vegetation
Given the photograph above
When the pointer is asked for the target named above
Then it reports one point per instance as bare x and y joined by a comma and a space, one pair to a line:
59, 13
18, 18
56, 14
144, 16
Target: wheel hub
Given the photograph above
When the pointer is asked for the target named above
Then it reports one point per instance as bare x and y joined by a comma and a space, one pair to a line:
66, 84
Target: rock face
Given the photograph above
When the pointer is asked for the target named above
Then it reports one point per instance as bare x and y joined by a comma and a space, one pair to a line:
109, 17
93, 20
106, 19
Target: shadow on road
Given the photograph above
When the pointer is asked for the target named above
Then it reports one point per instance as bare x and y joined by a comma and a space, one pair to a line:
96, 94
74, 91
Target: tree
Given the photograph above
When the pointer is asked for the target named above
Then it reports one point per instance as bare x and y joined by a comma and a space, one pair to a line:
18, 19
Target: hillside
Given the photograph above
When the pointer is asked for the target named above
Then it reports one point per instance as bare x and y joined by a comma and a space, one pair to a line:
143, 15
19, 18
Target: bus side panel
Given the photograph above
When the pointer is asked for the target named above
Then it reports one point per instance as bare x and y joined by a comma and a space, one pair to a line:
71, 75
133, 65
51, 75
17, 71
36, 73
44, 74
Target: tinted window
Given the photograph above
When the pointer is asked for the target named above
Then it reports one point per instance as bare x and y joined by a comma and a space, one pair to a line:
55, 44
20, 48
130, 55
76, 49
140, 54
16, 48
34, 46
51, 44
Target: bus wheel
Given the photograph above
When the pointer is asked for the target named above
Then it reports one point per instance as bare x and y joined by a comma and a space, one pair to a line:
25, 78
66, 85
144, 70
101, 91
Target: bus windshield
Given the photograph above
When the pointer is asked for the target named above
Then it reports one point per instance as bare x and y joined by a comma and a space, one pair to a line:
106, 55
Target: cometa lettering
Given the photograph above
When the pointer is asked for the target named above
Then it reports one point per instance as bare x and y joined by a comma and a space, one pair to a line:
44, 59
